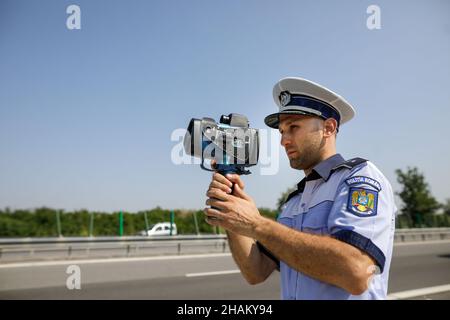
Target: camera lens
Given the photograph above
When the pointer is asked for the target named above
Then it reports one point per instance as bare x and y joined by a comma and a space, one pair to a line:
225, 119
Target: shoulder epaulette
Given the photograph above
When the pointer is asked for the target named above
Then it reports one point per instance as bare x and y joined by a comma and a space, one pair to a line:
350, 164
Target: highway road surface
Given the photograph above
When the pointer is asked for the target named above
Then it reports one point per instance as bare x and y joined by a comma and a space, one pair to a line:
204, 276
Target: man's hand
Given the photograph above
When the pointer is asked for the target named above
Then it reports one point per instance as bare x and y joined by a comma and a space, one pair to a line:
233, 209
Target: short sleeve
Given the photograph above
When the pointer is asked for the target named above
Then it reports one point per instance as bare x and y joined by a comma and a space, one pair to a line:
362, 212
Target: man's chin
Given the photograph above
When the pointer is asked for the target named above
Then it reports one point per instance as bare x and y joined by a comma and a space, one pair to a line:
296, 164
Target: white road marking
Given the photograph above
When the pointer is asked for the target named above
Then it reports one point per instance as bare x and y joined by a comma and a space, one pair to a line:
418, 292
212, 273
93, 261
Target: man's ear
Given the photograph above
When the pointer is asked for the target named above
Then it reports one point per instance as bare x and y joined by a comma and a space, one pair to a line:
329, 127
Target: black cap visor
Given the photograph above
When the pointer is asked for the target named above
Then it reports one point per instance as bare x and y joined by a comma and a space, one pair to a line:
273, 120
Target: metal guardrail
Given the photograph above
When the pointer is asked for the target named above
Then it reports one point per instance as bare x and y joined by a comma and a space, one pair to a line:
409, 230
421, 234
55, 240
19, 249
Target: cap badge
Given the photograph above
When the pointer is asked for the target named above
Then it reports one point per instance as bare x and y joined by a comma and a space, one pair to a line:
285, 98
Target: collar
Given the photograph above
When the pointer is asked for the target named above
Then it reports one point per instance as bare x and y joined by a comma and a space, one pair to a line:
322, 170
325, 168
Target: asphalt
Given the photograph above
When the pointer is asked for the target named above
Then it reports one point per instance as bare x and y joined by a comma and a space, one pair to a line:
414, 266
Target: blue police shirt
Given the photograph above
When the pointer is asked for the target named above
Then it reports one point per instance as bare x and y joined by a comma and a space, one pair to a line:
353, 202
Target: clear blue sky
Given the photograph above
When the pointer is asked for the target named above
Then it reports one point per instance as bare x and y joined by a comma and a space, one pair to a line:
86, 115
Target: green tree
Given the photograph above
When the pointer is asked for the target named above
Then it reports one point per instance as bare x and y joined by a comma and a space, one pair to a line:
418, 203
446, 207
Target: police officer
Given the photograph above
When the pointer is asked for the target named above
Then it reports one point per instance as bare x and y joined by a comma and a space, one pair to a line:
334, 237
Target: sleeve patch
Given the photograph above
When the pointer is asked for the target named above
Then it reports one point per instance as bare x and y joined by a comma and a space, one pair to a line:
363, 180
362, 202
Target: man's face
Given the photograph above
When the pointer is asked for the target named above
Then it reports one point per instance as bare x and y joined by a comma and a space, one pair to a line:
302, 138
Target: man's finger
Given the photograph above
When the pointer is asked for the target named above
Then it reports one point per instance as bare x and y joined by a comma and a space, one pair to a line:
221, 179
217, 194
238, 192
214, 213
235, 178
212, 222
213, 164
217, 203
213, 217
221, 186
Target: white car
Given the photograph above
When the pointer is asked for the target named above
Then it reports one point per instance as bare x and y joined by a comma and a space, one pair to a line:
160, 229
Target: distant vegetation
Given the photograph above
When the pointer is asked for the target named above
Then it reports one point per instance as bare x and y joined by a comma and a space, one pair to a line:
42, 222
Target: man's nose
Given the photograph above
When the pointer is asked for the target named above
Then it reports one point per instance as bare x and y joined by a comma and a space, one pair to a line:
285, 141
